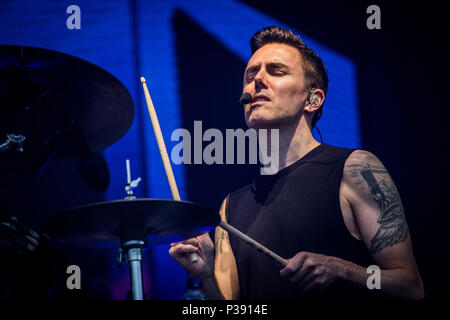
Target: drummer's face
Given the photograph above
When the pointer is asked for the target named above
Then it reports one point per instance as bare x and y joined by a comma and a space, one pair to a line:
275, 78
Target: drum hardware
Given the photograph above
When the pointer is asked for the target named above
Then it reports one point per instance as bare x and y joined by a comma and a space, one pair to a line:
54, 102
131, 225
11, 139
133, 248
30, 235
31, 266
131, 185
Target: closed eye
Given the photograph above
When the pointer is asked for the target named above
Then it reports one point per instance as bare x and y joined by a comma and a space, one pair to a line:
249, 77
278, 72
277, 68
251, 73
274, 68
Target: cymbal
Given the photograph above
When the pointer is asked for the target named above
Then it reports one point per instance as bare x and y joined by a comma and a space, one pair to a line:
106, 224
82, 93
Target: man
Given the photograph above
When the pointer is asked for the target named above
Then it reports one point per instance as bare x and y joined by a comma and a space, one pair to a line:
331, 211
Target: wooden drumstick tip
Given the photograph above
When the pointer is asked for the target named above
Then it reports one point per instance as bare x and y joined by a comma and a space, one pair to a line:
142, 79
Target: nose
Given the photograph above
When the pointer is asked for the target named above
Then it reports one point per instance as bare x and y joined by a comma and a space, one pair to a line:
260, 80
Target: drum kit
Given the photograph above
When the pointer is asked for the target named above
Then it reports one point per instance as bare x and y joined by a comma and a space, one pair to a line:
52, 102
94, 110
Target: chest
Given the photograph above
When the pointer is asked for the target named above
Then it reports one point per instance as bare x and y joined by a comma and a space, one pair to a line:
297, 213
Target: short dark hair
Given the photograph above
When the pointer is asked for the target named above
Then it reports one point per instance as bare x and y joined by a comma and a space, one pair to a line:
313, 66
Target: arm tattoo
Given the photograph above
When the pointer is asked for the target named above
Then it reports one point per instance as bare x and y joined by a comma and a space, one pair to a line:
393, 228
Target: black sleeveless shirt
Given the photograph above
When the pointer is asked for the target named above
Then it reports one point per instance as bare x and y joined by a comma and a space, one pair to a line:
295, 210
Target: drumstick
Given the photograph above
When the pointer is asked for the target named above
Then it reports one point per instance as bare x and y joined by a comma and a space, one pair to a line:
161, 144
163, 150
253, 243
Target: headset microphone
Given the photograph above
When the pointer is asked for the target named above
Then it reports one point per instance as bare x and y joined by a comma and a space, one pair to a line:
246, 98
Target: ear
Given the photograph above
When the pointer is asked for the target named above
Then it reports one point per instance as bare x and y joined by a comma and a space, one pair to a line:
314, 100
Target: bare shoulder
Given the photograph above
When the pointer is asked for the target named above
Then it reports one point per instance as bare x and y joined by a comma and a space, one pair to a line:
361, 170
360, 159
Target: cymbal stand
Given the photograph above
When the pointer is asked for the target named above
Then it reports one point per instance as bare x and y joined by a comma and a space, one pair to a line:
133, 248
133, 255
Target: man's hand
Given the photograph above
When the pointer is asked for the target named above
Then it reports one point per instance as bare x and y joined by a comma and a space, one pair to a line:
203, 247
311, 271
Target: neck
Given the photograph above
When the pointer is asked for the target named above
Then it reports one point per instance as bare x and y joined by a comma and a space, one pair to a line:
295, 141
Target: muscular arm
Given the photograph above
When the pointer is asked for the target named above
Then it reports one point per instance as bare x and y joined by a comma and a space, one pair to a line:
216, 265
380, 220
225, 270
